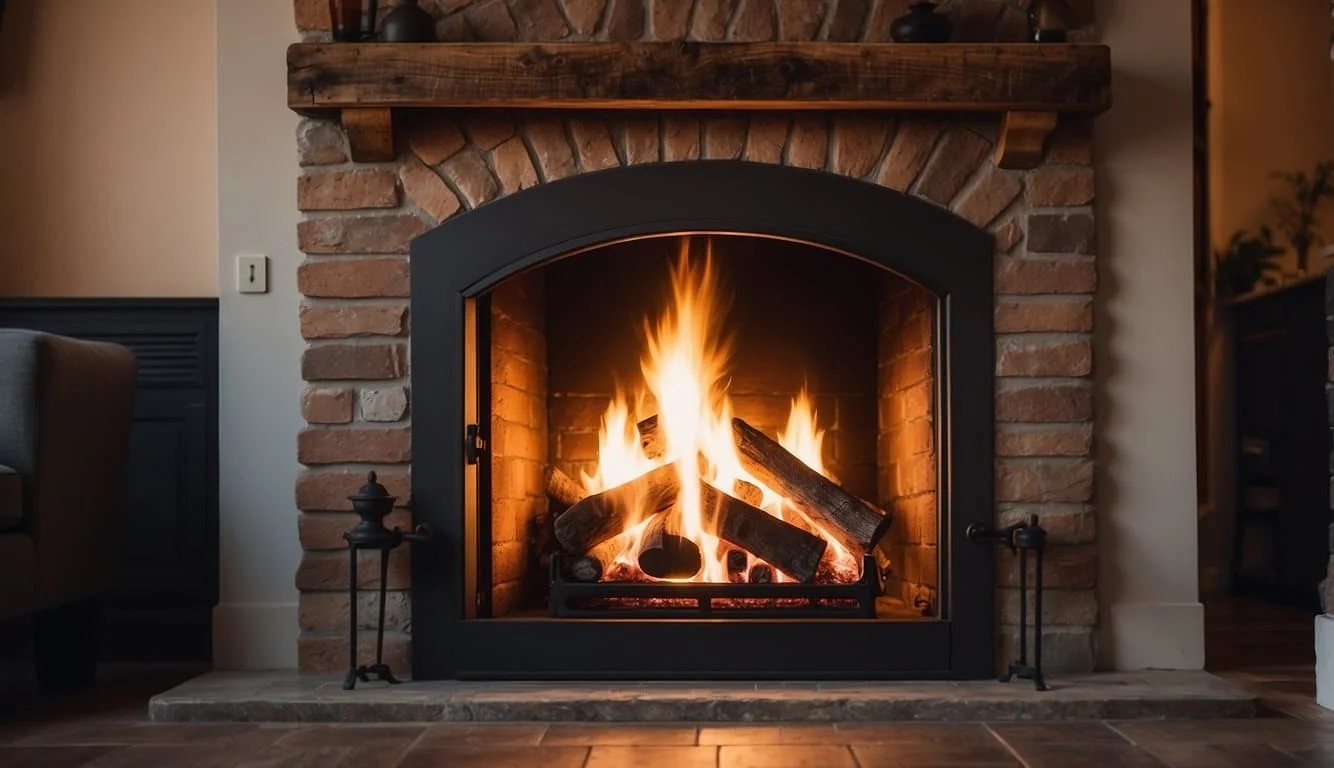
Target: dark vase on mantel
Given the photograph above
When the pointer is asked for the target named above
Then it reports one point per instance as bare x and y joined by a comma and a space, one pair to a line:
921, 24
407, 23
1048, 21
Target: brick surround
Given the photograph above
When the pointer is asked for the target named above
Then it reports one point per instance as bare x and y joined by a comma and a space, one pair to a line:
359, 218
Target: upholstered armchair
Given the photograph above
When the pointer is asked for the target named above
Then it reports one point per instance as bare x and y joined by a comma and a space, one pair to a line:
65, 409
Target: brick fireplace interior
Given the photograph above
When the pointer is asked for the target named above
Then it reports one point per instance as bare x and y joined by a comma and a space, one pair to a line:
855, 338
441, 167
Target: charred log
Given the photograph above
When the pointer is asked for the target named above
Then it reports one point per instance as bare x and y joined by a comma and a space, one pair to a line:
748, 492
761, 574
650, 439
854, 523
736, 566
595, 519
562, 488
586, 568
599, 562
787, 547
664, 553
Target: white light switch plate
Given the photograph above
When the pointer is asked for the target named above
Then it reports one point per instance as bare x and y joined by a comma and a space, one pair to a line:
252, 273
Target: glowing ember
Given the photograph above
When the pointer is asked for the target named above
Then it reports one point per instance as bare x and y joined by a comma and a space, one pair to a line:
685, 368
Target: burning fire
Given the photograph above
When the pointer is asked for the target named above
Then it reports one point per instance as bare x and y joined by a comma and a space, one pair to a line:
685, 369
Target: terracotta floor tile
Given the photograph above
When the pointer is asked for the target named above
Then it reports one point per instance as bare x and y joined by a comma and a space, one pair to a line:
1091, 755
723, 733
85, 732
364, 746
785, 756
653, 757
303, 756
202, 755
1026, 734
1236, 755
915, 733
626, 735
886, 755
1284, 731
446, 734
51, 757
1322, 754
478, 756
352, 735
809, 733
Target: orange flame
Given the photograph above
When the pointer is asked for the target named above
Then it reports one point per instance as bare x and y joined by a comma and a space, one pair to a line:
685, 368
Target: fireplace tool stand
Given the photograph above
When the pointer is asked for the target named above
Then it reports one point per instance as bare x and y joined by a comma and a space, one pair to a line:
1022, 538
372, 503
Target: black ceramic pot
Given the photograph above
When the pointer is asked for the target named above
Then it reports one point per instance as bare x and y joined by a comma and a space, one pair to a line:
921, 24
1048, 20
407, 23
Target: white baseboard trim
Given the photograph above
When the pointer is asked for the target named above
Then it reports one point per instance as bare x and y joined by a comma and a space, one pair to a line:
1324, 661
1155, 636
255, 636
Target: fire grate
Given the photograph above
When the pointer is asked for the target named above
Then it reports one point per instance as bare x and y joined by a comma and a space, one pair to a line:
647, 600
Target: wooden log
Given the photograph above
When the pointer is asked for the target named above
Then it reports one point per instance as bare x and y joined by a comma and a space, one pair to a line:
563, 488
650, 439
586, 568
595, 519
761, 574
598, 562
852, 522
787, 547
736, 566
748, 492
599, 517
664, 553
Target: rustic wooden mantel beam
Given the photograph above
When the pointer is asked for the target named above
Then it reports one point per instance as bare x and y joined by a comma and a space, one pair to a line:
960, 77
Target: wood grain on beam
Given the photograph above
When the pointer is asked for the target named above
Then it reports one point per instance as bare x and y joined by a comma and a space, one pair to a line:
1023, 139
676, 75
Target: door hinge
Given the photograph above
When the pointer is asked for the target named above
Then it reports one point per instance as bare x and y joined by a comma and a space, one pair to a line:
474, 445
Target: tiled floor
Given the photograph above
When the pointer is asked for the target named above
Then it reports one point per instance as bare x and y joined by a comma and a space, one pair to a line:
1217, 744
107, 729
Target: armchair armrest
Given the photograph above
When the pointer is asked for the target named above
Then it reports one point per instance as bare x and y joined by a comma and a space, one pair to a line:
71, 404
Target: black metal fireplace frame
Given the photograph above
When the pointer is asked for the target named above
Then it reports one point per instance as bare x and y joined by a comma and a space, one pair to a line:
457, 262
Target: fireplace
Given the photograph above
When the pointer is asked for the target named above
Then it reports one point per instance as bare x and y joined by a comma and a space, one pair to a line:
566, 160
802, 361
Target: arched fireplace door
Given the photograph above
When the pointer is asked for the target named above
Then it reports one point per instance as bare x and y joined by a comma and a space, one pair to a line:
822, 349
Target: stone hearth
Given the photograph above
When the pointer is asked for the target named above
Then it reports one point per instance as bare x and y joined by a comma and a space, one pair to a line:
283, 696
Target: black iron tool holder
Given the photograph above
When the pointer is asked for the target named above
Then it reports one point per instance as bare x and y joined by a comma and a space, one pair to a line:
1022, 539
372, 503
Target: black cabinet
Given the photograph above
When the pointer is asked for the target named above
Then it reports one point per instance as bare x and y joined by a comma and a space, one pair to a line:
161, 605
1282, 450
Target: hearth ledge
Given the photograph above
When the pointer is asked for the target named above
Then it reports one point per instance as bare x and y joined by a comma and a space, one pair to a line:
289, 697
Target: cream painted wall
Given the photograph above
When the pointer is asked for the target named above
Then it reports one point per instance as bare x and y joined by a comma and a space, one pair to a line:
1271, 106
108, 130
255, 623
1151, 615
1271, 91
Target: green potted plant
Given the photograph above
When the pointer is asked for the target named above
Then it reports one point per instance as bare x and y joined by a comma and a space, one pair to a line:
1297, 213
1247, 260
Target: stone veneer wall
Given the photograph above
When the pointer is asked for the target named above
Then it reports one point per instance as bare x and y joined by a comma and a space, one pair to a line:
359, 219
